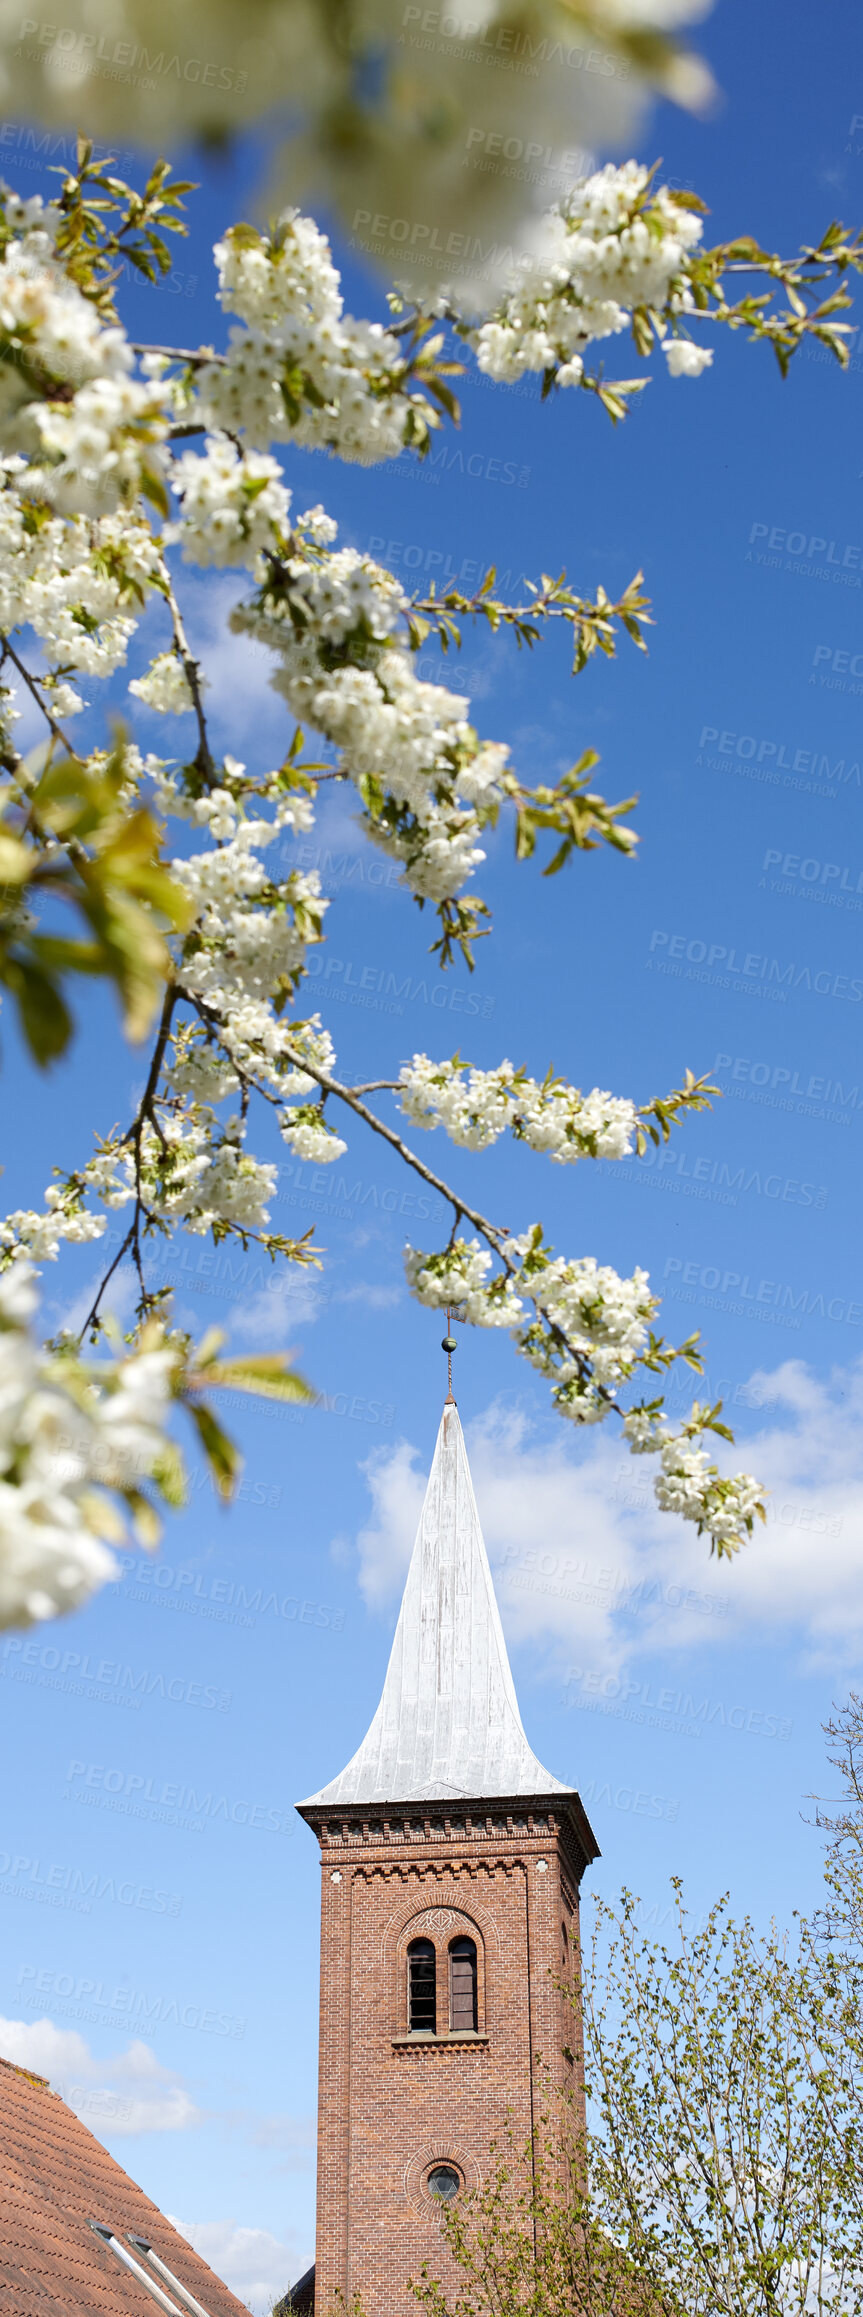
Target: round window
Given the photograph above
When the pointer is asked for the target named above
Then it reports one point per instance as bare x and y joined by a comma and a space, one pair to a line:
444, 2181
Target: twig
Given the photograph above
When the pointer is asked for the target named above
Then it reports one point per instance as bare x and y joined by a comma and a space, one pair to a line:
92, 1314
145, 1112
32, 684
351, 1095
181, 354
145, 1107
193, 679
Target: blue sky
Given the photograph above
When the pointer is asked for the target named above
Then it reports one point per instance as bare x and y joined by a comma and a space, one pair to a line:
158, 1898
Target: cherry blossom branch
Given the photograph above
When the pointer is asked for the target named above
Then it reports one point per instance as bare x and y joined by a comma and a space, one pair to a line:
496, 1236
192, 671
491, 1232
146, 1107
179, 353
145, 1114
32, 683
92, 1315
592, 622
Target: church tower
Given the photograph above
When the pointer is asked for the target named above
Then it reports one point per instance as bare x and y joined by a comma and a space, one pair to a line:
450, 1864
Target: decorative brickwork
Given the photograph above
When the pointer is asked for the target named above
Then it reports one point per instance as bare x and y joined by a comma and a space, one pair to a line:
392, 2105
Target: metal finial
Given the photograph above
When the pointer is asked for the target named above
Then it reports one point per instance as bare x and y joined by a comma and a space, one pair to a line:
449, 1345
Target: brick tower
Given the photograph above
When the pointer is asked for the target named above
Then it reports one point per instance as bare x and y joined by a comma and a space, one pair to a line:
450, 1863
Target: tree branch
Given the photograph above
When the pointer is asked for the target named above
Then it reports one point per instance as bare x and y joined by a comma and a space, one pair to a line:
193, 678
32, 684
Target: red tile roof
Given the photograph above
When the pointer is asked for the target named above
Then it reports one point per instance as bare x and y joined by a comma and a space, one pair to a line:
55, 2179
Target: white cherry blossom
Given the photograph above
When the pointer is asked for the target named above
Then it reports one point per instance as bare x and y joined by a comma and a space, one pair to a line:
606, 251
55, 1449
309, 1137
234, 503
477, 1106
686, 360
425, 777
165, 686
287, 293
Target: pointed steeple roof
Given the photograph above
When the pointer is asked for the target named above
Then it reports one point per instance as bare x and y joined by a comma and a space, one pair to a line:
448, 1725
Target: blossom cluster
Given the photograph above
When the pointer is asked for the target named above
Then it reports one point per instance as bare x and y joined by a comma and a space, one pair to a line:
195, 1173
78, 584
477, 1106
242, 954
590, 1326
365, 115
298, 367
165, 686
688, 1484
249, 941
464, 1275
307, 1134
192, 1169
61, 1446
588, 1317
234, 504
94, 434
425, 778
588, 1333
304, 1127
31, 1237
616, 245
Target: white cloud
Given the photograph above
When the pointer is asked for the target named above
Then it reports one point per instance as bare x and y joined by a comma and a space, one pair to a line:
586, 1565
297, 1298
338, 824
804, 1569
397, 1486
131, 2092
268, 1318
238, 671
118, 1301
30, 727
258, 2266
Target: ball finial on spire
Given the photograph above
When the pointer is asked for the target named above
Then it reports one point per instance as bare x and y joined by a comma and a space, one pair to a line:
449, 1345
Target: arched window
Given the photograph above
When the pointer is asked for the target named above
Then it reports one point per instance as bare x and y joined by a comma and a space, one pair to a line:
422, 2003
462, 1986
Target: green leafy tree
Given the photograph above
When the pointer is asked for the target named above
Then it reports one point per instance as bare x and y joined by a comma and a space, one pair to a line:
722, 2167
841, 1920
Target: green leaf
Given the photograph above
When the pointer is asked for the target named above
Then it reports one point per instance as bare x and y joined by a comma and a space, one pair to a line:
145, 1519
266, 1373
153, 488
169, 1475
17, 861
64, 956
102, 1516
45, 1019
223, 1457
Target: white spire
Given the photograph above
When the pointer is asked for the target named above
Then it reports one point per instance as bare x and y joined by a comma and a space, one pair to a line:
448, 1724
